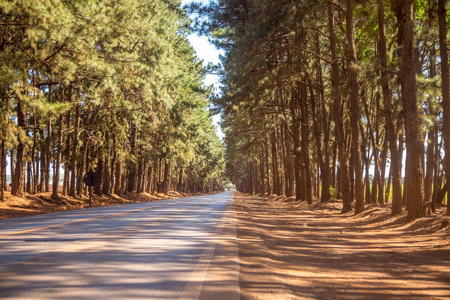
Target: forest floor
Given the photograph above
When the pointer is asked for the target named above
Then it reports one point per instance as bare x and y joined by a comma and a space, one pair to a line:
29, 204
289, 250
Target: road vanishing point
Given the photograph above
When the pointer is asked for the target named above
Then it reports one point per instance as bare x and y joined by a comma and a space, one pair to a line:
174, 249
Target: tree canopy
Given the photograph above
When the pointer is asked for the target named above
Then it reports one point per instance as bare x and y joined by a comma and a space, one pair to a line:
109, 86
324, 98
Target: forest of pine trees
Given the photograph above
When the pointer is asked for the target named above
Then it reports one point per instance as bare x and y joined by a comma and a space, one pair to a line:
107, 86
336, 99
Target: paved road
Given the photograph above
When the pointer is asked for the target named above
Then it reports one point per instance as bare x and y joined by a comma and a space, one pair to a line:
174, 249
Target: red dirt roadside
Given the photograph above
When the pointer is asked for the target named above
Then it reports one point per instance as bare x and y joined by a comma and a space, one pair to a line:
289, 250
28, 205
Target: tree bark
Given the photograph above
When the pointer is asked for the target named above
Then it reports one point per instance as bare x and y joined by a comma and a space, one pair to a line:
118, 178
84, 153
73, 162
34, 164
106, 166
414, 168
266, 156
391, 135
338, 116
48, 144
442, 14
305, 142
326, 172
355, 114
99, 171
2, 171
19, 173
275, 174
132, 167
289, 163
262, 169
166, 177
295, 129
382, 177
149, 178
66, 162
55, 192
318, 138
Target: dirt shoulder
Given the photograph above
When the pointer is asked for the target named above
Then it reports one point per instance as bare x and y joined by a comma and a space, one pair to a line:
288, 250
28, 205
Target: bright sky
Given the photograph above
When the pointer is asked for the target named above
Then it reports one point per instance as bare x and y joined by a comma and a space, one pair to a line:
209, 54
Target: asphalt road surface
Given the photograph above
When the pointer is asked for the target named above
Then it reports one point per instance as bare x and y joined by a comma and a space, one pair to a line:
174, 249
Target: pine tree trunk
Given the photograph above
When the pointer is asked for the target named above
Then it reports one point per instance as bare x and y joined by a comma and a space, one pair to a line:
73, 161
436, 177
280, 153
118, 178
149, 177
12, 165
112, 169
106, 165
414, 168
338, 116
275, 184
318, 138
387, 193
297, 154
46, 168
132, 167
333, 166
283, 157
289, 162
28, 184
266, 148
125, 182
326, 122
48, 157
391, 135
367, 179
376, 183
57, 164
428, 184
19, 175
262, 169
442, 15
99, 171
34, 165
140, 172
84, 153
166, 177
2, 171
305, 142
382, 183
66, 163
355, 116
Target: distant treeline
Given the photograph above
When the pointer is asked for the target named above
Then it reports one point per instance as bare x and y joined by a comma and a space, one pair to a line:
109, 86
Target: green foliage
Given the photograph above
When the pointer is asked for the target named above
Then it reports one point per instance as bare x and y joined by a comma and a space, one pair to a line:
126, 64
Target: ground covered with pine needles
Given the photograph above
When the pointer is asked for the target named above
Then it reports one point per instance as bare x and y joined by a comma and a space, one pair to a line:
289, 250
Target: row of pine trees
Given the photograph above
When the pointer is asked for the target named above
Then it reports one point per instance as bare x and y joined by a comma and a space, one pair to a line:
107, 86
334, 98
